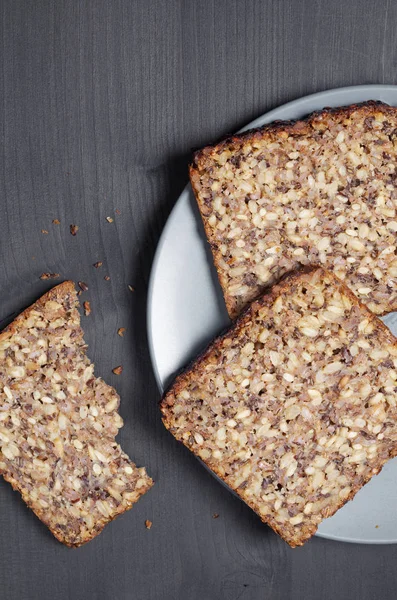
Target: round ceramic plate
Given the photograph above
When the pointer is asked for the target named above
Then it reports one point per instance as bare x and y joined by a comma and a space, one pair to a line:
186, 310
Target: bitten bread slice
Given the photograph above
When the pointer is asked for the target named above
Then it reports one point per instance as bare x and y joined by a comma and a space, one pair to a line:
295, 406
58, 423
319, 191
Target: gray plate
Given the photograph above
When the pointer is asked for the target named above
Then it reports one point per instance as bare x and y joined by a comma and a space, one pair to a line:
186, 310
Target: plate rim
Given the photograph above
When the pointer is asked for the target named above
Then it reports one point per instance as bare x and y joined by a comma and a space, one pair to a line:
257, 122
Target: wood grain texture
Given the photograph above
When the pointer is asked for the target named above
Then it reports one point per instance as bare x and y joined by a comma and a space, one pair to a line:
101, 104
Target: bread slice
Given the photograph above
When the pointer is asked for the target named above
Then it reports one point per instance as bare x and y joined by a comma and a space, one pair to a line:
295, 406
319, 191
58, 423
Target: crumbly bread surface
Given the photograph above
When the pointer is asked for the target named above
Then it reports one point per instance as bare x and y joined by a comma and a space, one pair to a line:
319, 191
295, 406
58, 423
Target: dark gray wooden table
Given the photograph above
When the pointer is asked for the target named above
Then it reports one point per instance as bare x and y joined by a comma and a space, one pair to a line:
101, 104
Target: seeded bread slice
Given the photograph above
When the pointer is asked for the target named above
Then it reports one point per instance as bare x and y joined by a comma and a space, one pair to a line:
295, 406
319, 191
58, 423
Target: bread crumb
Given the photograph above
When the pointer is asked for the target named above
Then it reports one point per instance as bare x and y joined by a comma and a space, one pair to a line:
107, 278
118, 370
49, 276
74, 229
132, 289
121, 331
148, 524
87, 308
44, 231
109, 219
56, 221
215, 516
83, 286
98, 264
117, 211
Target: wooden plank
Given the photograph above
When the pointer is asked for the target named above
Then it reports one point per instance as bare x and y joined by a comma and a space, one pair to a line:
101, 104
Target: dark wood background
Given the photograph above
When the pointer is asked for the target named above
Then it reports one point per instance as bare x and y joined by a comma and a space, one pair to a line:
101, 104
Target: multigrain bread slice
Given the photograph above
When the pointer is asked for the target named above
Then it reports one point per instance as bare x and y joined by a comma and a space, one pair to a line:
295, 406
318, 191
58, 423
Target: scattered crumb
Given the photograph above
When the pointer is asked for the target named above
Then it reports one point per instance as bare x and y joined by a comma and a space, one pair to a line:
79, 293
98, 264
215, 516
49, 275
109, 219
74, 229
376, 526
118, 370
121, 331
44, 231
117, 211
83, 286
107, 278
132, 289
87, 308
56, 221
148, 524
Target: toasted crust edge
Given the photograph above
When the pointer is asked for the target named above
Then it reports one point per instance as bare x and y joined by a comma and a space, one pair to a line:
196, 367
298, 126
202, 159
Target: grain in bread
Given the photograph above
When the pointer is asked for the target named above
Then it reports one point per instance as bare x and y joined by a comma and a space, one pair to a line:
319, 191
58, 424
295, 406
